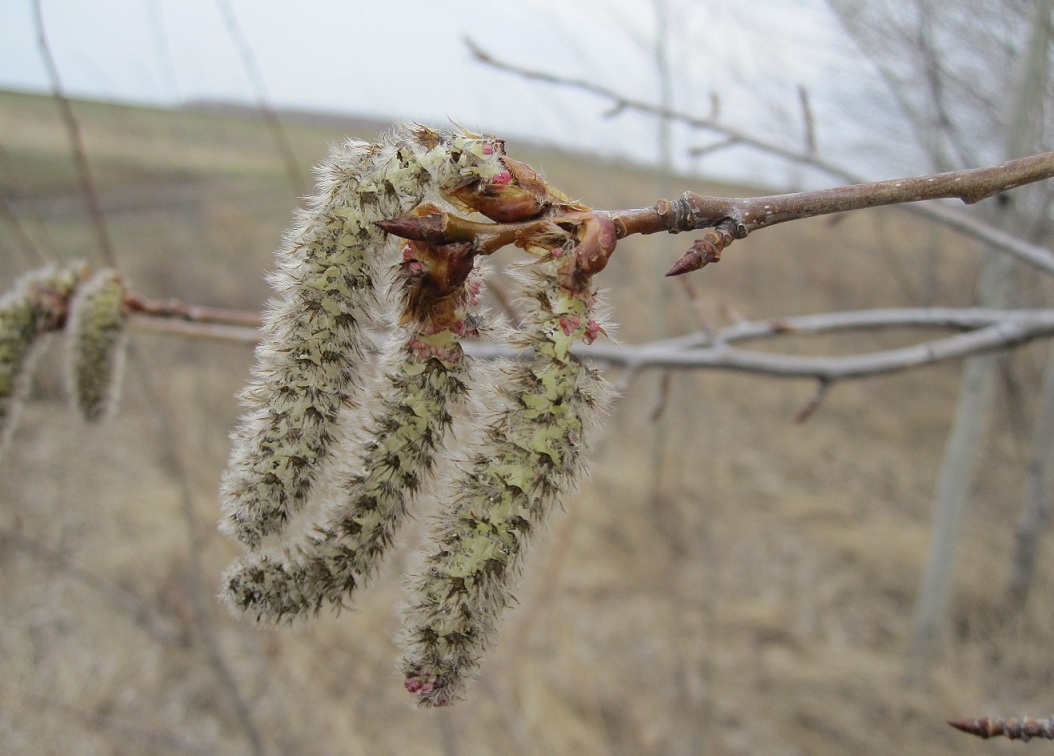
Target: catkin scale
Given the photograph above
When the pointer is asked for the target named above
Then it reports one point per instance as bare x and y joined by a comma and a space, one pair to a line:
312, 361
527, 455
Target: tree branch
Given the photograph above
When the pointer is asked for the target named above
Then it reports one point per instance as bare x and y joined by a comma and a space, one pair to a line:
91, 194
731, 218
983, 330
1032, 253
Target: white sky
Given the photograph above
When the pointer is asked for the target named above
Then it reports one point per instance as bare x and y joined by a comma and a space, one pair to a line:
406, 59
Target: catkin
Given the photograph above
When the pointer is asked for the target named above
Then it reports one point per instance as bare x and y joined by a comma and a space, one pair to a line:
426, 375
529, 453
35, 306
95, 337
312, 361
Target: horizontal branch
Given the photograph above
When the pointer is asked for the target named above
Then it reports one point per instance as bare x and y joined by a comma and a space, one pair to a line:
153, 323
1033, 254
725, 219
174, 309
733, 218
1002, 332
985, 331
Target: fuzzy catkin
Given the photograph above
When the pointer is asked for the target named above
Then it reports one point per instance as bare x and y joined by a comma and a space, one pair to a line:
426, 375
529, 453
33, 307
312, 361
95, 335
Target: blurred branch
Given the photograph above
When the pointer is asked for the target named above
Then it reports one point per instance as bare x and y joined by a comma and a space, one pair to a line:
984, 330
970, 226
1005, 331
173, 308
1014, 728
33, 254
91, 195
252, 68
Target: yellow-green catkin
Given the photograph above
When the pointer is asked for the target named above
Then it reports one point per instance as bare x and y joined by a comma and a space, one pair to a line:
528, 454
35, 306
95, 339
426, 376
313, 361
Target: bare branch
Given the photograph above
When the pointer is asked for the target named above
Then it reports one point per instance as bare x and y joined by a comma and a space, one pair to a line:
91, 195
985, 330
174, 309
733, 218
1014, 728
1006, 329
1032, 253
808, 121
252, 68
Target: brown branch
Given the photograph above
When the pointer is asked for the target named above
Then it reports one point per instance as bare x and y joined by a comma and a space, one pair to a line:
1032, 253
174, 309
1014, 728
91, 195
730, 218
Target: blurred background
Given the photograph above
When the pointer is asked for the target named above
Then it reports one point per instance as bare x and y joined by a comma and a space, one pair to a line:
729, 580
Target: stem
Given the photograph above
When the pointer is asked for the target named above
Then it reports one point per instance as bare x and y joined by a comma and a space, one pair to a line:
736, 217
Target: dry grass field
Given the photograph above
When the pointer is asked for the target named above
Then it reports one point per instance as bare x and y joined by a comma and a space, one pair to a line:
728, 582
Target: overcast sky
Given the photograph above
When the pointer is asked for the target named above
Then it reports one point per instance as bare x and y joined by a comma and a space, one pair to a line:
407, 59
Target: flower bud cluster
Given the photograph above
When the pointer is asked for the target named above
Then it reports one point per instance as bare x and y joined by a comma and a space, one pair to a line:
95, 336
34, 307
361, 441
528, 454
313, 363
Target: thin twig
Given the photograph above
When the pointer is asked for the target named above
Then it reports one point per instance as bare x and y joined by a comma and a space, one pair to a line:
91, 195
270, 116
1000, 335
986, 330
33, 254
177, 310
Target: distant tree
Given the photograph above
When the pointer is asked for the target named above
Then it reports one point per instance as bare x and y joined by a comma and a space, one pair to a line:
960, 74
